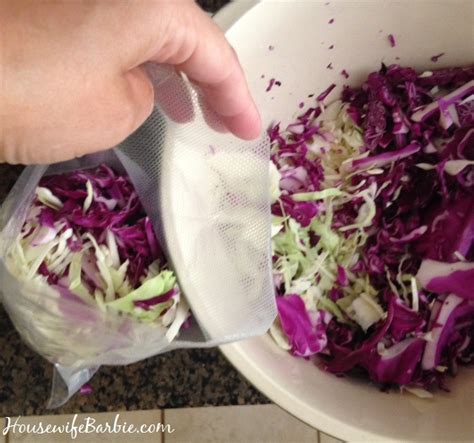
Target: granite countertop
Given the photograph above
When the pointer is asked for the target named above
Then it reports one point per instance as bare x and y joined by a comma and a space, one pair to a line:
180, 378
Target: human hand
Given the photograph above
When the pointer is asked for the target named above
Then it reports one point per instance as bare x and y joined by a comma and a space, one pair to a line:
72, 77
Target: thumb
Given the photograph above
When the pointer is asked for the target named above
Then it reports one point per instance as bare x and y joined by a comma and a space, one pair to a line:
194, 45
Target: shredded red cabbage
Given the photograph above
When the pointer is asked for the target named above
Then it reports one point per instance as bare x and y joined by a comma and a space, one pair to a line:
115, 207
416, 164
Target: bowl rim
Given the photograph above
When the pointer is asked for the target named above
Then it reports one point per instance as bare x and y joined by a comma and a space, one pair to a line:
235, 353
225, 18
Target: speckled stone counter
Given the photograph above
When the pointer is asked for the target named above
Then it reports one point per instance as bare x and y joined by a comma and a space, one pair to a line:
176, 379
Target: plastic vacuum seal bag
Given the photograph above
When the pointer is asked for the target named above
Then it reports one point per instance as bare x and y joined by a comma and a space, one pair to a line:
207, 196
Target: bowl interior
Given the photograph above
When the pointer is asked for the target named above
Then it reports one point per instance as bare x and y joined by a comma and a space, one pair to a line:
305, 45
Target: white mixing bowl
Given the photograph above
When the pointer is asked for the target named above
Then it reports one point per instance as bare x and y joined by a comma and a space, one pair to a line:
290, 41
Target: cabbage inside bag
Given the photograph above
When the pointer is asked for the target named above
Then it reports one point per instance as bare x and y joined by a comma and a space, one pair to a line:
207, 195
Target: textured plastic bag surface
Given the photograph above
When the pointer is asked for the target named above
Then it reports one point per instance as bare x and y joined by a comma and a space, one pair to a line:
207, 195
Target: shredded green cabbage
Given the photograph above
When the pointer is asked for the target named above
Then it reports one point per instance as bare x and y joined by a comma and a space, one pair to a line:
311, 271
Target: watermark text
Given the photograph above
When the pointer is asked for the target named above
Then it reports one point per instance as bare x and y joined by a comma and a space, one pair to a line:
83, 425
